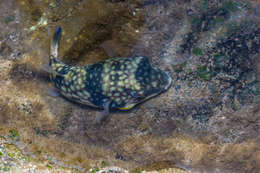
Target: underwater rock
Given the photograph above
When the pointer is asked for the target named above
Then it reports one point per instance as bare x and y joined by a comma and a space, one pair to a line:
208, 121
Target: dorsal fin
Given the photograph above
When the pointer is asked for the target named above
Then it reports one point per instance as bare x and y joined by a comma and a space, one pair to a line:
55, 43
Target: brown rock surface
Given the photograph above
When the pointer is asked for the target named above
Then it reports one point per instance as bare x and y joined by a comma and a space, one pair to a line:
209, 119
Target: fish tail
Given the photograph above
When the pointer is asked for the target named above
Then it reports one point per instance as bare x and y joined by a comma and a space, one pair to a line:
55, 44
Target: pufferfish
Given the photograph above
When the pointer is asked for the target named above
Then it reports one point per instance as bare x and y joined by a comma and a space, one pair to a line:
116, 83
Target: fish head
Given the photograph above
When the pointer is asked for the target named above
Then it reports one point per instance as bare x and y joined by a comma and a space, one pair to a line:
149, 82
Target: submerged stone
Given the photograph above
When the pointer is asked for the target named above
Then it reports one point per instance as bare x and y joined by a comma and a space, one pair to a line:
207, 122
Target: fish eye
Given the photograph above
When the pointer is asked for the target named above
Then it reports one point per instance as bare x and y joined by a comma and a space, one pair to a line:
134, 94
113, 105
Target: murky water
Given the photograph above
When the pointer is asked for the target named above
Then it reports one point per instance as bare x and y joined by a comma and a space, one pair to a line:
208, 121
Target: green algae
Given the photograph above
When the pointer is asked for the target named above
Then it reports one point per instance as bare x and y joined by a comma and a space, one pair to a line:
232, 27
137, 170
9, 19
204, 5
26, 158
196, 21
211, 18
219, 60
204, 73
213, 88
94, 170
228, 60
38, 152
14, 135
257, 99
235, 105
230, 6
207, 20
14, 160
197, 51
74, 171
104, 164
255, 87
5, 167
48, 166
179, 67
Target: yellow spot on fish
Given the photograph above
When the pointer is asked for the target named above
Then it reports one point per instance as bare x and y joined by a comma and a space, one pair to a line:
127, 107
132, 70
116, 94
106, 70
122, 77
82, 85
106, 78
64, 89
135, 65
68, 40
137, 87
68, 78
74, 95
154, 84
120, 83
105, 87
59, 69
86, 93
129, 67
78, 87
72, 88
80, 94
127, 85
113, 77
80, 81
120, 89
132, 82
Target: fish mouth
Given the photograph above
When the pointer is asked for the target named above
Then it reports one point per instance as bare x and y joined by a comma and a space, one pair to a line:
169, 81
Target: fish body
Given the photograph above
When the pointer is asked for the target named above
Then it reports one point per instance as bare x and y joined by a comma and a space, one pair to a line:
116, 83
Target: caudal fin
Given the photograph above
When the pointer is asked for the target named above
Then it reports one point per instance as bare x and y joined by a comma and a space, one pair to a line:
55, 43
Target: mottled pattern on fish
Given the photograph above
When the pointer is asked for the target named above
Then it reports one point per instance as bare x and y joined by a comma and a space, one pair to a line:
124, 82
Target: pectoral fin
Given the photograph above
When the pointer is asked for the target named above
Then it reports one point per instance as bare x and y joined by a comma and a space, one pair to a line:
104, 114
53, 92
